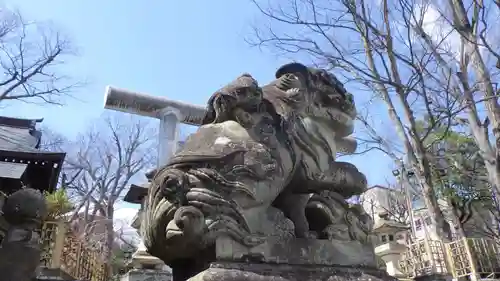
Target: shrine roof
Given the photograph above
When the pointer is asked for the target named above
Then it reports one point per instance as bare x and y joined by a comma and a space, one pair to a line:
384, 225
19, 135
20, 154
136, 193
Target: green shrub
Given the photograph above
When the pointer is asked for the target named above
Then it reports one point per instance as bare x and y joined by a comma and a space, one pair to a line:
58, 204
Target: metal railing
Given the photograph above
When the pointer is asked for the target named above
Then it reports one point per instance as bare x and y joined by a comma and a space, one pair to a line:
63, 250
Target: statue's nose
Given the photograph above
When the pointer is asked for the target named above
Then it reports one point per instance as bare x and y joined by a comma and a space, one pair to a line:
172, 226
188, 220
172, 230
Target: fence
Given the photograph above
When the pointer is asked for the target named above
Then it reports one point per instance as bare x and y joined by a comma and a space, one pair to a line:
466, 257
62, 250
474, 256
423, 257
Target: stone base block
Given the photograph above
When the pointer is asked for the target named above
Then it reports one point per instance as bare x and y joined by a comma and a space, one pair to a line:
433, 277
52, 274
299, 251
231, 271
147, 275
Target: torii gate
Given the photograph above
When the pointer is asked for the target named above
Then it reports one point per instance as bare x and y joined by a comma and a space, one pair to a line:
171, 113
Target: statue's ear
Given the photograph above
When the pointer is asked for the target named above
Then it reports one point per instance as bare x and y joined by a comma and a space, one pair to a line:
209, 112
209, 117
296, 68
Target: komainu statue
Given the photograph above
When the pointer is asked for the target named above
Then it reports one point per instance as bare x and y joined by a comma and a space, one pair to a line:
259, 174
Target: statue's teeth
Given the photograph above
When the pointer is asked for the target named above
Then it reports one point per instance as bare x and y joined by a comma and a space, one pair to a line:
292, 91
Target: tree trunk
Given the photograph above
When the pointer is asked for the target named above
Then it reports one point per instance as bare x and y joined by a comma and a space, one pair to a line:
465, 29
413, 146
110, 239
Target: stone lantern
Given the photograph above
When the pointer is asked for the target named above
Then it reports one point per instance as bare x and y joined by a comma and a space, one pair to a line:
390, 243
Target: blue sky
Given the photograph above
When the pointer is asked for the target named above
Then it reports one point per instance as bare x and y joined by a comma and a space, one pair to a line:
183, 50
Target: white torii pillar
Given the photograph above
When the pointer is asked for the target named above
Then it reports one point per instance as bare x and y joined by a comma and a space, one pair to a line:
171, 113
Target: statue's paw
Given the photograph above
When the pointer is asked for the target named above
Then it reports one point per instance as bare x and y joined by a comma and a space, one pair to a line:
336, 232
307, 235
311, 235
253, 240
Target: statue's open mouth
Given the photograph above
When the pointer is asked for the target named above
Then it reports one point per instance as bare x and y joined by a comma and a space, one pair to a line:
337, 111
330, 105
334, 120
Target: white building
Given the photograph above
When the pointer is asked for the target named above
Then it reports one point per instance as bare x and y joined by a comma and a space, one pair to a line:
381, 201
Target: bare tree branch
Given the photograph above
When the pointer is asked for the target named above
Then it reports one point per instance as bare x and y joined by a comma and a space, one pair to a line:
406, 53
99, 168
31, 54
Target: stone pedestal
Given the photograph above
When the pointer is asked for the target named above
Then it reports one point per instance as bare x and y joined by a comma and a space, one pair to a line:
240, 271
433, 277
293, 260
141, 259
21, 248
391, 253
299, 252
147, 275
146, 268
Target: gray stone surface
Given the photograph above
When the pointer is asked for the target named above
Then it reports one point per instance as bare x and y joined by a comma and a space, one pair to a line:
53, 274
259, 182
231, 271
20, 250
433, 277
299, 252
147, 275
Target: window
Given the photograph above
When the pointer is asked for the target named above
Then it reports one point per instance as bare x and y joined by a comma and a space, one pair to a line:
400, 237
383, 238
418, 224
391, 237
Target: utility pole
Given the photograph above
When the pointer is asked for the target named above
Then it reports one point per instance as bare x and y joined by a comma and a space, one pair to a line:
404, 180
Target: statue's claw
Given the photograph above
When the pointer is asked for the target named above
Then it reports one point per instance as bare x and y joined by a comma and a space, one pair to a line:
311, 235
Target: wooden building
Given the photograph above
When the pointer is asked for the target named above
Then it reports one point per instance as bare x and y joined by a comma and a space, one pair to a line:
22, 162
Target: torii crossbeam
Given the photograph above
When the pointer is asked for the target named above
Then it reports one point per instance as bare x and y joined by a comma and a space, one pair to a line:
171, 113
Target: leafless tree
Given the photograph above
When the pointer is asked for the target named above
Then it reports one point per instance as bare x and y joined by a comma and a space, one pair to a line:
31, 56
394, 205
412, 55
94, 233
101, 165
52, 141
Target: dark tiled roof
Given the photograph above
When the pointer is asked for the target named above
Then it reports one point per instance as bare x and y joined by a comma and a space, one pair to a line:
19, 135
136, 193
19, 147
383, 225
